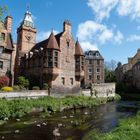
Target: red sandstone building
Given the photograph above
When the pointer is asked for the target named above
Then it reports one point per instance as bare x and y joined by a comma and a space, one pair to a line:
57, 61
6, 49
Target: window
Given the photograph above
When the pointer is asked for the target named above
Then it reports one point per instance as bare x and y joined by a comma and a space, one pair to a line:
56, 59
89, 70
77, 64
1, 49
71, 80
82, 63
89, 77
98, 70
98, 77
1, 65
98, 62
90, 62
63, 80
97, 54
68, 44
50, 59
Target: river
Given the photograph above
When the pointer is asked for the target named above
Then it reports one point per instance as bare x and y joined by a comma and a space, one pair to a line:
71, 124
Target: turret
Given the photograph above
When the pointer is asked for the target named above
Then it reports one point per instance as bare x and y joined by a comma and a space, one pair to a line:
52, 52
79, 62
26, 34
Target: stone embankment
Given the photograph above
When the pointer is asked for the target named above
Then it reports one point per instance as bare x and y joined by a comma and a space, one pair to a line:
99, 90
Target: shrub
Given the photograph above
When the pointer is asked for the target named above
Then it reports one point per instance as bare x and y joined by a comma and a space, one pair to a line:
4, 110
36, 88
23, 82
45, 86
16, 87
4, 81
7, 89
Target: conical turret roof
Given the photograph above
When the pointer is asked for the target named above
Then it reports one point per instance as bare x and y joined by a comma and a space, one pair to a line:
78, 49
52, 43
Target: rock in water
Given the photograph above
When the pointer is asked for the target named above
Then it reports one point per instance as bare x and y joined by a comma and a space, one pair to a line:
56, 132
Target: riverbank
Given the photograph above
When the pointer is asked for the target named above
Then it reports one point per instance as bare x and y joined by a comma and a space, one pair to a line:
128, 129
20, 107
130, 96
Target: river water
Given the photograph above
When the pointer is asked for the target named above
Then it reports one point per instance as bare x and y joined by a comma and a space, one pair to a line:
71, 124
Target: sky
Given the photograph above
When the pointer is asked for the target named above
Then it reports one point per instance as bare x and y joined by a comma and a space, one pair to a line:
110, 26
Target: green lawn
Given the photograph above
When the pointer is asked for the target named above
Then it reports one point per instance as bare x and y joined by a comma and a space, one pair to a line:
128, 129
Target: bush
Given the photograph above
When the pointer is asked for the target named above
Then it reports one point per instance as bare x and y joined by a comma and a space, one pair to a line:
4, 110
23, 82
45, 86
36, 88
16, 87
7, 89
4, 81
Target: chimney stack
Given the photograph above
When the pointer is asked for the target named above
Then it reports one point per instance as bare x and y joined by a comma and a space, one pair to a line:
67, 26
8, 23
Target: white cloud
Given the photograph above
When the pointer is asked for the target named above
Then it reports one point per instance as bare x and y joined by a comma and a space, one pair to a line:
42, 35
102, 8
129, 8
119, 37
125, 7
91, 32
87, 45
105, 36
132, 38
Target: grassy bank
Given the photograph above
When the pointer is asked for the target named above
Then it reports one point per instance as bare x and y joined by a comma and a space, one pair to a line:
20, 107
128, 129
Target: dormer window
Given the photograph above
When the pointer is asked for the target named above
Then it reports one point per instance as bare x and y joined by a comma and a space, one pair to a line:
97, 54
90, 53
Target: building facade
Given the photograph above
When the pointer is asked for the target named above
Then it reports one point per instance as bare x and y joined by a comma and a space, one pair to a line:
94, 67
57, 60
129, 73
6, 49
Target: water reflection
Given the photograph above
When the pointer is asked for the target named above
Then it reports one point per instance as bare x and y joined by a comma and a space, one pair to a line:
72, 124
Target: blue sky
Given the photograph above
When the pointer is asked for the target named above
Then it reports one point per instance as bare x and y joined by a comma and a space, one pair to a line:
112, 26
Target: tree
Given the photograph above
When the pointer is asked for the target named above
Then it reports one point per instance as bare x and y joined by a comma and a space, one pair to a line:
110, 76
111, 65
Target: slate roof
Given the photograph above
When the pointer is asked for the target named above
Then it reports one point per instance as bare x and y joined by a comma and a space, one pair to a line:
93, 55
52, 42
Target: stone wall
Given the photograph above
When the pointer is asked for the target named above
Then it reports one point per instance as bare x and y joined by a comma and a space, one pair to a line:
24, 94
5, 58
102, 90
